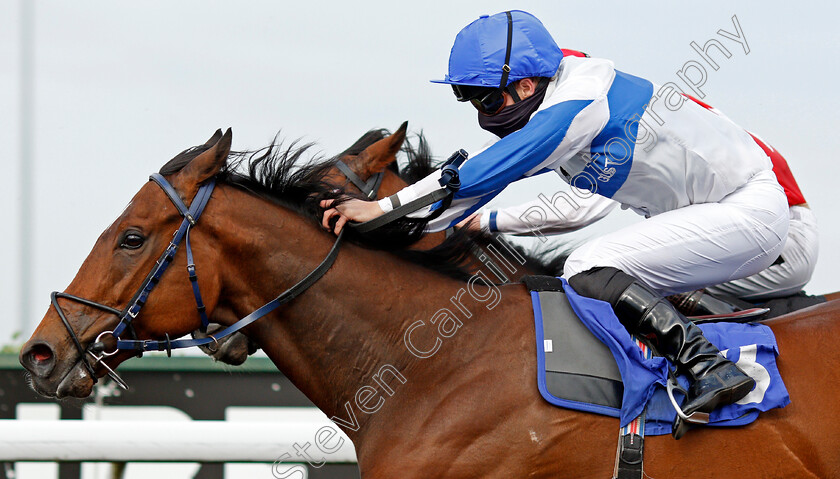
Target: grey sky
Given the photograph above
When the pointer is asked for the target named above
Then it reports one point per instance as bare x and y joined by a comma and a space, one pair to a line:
123, 86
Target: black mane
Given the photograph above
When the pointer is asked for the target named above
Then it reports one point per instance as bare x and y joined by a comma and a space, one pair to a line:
420, 164
292, 175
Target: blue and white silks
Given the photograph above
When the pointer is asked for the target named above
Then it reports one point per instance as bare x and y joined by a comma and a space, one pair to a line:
615, 134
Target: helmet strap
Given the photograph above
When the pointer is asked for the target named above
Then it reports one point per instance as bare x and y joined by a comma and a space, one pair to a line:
506, 66
511, 90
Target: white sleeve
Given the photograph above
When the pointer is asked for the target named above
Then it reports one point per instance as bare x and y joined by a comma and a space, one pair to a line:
411, 192
562, 213
423, 187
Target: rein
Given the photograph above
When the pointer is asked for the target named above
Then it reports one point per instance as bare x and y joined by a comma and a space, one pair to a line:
97, 349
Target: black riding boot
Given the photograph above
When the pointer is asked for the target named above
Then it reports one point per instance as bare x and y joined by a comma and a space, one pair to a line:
716, 381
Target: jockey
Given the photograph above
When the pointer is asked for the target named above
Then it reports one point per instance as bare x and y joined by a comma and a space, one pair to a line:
715, 210
786, 276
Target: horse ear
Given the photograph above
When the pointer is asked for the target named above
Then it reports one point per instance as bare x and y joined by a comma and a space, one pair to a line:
380, 154
208, 164
215, 138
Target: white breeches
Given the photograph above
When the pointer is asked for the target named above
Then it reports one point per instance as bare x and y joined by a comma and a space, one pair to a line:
799, 259
698, 245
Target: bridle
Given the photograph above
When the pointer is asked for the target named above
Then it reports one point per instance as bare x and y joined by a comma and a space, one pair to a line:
368, 188
97, 349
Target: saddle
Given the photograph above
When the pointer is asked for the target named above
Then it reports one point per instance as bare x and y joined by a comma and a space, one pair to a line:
587, 361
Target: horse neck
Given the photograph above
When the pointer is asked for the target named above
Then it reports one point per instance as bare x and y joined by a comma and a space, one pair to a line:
335, 337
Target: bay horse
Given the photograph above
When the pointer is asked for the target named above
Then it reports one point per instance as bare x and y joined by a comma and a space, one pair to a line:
420, 395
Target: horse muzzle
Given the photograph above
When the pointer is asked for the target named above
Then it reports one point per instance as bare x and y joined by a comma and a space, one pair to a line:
51, 377
38, 358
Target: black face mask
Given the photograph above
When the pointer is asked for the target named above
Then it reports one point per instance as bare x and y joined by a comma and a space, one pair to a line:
513, 117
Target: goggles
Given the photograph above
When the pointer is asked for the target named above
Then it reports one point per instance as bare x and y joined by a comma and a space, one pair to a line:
487, 100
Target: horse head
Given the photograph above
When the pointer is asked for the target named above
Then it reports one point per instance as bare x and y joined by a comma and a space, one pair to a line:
373, 153
59, 354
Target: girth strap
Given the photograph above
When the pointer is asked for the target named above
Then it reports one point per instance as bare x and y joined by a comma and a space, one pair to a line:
629, 456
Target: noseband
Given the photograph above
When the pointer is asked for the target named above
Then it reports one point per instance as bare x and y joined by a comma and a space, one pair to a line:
97, 348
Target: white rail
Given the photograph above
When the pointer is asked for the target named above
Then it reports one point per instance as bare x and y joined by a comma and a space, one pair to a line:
168, 441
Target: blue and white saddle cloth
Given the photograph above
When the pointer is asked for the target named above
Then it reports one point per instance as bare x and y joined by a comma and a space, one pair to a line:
576, 371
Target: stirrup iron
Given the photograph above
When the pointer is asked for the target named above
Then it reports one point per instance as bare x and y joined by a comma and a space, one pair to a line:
696, 417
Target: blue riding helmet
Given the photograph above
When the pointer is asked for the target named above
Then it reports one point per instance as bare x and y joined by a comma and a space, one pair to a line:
478, 55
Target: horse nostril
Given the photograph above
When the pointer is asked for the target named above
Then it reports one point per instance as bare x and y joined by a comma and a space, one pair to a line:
41, 353
38, 359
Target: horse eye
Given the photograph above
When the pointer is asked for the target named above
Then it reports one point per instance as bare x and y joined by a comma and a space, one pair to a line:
132, 241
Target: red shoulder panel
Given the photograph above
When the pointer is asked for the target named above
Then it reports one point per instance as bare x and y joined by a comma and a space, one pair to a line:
780, 166
573, 53
783, 173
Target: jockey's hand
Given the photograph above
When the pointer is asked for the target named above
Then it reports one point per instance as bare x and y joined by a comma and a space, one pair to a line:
471, 222
350, 210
